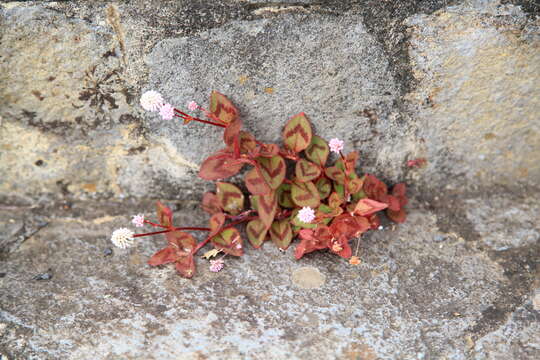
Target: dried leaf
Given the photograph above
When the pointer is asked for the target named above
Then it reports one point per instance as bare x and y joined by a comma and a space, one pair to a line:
211, 253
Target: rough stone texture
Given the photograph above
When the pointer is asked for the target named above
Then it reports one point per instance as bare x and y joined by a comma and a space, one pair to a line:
408, 299
453, 81
479, 81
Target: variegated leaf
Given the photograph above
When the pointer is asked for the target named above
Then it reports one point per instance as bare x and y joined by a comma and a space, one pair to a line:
305, 194
164, 214
256, 232
256, 183
297, 133
266, 208
318, 151
229, 241
281, 233
219, 166
324, 186
306, 170
222, 108
273, 170
230, 197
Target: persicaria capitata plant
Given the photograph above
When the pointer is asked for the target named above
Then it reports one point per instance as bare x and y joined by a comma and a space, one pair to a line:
294, 194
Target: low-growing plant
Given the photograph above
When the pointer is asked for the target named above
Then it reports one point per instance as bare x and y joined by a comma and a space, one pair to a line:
294, 193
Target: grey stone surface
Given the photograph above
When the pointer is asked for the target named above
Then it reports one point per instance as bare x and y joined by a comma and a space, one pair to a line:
412, 297
453, 81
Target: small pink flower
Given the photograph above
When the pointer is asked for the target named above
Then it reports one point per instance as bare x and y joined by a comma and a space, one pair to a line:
216, 265
138, 220
336, 145
151, 100
193, 106
166, 112
306, 214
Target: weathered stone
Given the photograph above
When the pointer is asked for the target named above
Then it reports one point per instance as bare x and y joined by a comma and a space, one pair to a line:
408, 298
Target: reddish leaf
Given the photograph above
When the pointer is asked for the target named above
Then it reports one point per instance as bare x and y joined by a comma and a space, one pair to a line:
222, 108
336, 174
186, 266
340, 246
229, 241
269, 150
273, 170
374, 188
232, 133
284, 196
324, 186
420, 162
366, 207
216, 222
355, 185
374, 221
397, 216
163, 256
305, 194
318, 151
350, 161
266, 208
164, 214
210, 203
182, 241
220, 166
349, 226
281, 233
230, 197
335, 200
391, 201
256, 232
307, 171
297, 133
247, 142
256, 183
399, 191
312, 240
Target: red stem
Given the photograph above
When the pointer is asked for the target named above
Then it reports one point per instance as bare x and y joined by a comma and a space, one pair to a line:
184, 116
171, 229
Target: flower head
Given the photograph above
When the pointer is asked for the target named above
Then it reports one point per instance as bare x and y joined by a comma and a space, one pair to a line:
336, 145
216, 265
166, 112
123, 238
138, 220
151, 100
306, 214
354, 260
193, 106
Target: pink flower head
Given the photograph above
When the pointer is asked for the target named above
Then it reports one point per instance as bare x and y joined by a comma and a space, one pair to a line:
306, 214
138, 220
193, 106
151, 100
216, 265
166, 112
336, 145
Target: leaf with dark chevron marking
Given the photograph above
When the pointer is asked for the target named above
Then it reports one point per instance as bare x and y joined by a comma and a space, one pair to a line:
229, 241
281, 233
306, 170
222, 108
216, 222
164, 214
284, 196
230, 197
273, 170
305, 194
318, 150
266, 208
210, 203
256, 232
221, 165
297, 133
324, 186
256, 183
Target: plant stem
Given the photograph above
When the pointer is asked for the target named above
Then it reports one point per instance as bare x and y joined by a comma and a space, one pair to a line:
171, 229
183, 115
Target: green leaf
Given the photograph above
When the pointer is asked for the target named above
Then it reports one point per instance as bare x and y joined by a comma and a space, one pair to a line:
164, 214
335, 200
266, 208
297, 133
219, 166
273, 170
230, 197
305, 194
318, 150
256, 232
222, 108
306, 170
229, 241
324, 186
256, 183
281, 233
284, 196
